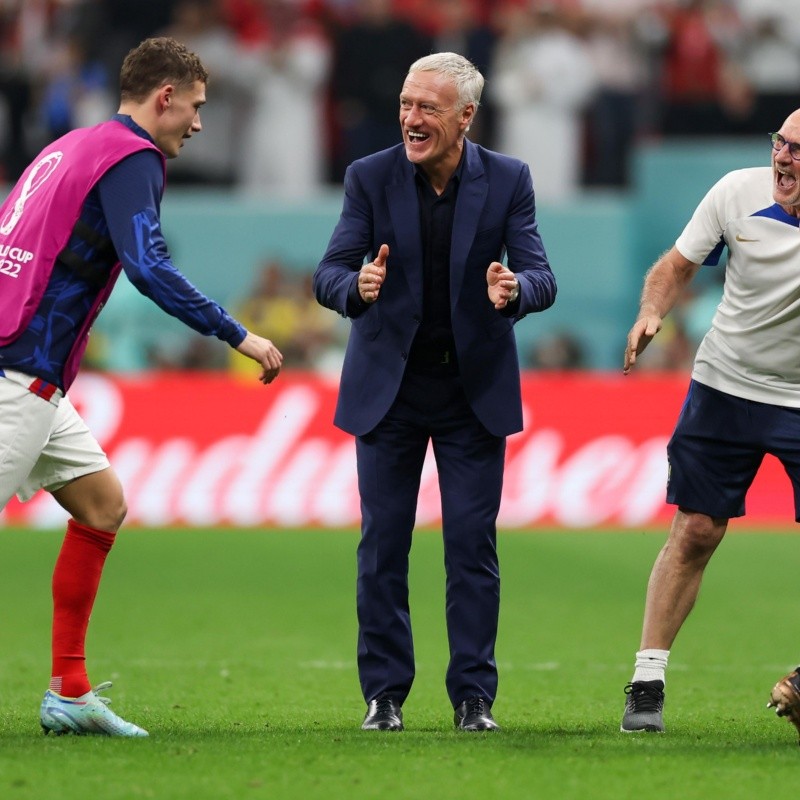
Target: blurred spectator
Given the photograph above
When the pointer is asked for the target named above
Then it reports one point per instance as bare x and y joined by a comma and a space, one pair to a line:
212, 158
687, 323
282, 308
705, 90
54, 46
323, 338
543, 81
131, 335
559, 351
372, 55
201, 354
425, 15
673, 349
247, 19
126, 23
57, 56
287, 67
457, 27
77, 91
15, 92
771, 61
618, 34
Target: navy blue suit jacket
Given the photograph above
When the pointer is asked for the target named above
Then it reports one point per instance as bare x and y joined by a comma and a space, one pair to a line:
494, 216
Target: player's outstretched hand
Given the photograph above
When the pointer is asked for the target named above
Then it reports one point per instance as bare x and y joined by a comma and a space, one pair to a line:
640, 335
501, 283
265, 353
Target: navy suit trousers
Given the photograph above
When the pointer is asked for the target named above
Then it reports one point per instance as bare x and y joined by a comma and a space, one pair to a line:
430, 407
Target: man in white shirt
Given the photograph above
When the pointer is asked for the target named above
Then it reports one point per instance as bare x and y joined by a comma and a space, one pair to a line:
743, 400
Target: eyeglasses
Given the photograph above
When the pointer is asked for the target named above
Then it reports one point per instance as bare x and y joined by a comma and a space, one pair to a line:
778, 142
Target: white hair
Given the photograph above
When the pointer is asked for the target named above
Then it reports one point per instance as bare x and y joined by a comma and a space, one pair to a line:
465, 75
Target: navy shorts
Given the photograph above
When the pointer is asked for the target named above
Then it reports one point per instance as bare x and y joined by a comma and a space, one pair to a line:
718, 445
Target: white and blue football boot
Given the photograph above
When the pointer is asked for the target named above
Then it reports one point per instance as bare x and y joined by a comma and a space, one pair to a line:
87, 714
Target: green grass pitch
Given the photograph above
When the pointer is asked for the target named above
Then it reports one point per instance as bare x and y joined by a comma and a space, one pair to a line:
236, 649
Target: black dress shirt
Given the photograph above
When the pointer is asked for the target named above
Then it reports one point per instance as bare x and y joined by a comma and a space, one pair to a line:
433, 346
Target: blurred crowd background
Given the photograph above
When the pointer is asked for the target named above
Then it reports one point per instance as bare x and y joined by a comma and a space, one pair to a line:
300, 88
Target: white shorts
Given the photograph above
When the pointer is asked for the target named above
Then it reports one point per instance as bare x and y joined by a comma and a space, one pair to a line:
44, 444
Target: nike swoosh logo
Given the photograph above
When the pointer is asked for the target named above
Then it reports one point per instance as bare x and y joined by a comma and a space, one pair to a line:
740, 238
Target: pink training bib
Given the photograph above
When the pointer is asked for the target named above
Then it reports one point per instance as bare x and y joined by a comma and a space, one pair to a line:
38, 216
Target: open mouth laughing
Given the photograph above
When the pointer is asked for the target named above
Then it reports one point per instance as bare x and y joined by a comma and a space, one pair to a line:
417, 137
785, 180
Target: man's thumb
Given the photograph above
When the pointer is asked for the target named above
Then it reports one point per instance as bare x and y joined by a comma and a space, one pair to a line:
383, 254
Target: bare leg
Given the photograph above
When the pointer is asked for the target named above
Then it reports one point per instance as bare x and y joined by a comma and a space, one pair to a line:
95, 500
676, 576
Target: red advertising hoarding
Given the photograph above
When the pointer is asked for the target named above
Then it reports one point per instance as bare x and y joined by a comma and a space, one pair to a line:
210, 449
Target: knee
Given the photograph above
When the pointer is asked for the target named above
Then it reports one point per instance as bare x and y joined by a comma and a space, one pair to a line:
106, 516
696, 536
116, 513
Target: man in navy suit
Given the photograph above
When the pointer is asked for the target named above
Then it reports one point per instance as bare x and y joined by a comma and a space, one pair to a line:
432, 358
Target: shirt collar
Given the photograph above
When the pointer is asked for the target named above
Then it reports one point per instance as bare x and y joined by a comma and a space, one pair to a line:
127, 121
457, 175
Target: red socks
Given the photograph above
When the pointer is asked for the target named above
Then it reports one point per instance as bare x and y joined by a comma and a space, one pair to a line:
75, 581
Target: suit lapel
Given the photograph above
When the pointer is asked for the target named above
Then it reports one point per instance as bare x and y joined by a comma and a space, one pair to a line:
404, 211
401, 198
469, 206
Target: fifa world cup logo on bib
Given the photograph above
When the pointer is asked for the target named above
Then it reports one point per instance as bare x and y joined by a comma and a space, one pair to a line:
38, 175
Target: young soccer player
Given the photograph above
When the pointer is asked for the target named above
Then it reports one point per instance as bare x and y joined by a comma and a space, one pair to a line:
86, 208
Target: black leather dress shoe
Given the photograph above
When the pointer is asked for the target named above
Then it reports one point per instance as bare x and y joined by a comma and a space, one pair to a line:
475, 714
383, 714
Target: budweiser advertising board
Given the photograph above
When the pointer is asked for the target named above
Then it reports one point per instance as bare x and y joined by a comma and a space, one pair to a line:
210, 449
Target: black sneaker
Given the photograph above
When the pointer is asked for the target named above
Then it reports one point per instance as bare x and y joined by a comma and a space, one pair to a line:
644, 707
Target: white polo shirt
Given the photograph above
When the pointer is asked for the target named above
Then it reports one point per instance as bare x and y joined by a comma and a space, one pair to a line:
753, 347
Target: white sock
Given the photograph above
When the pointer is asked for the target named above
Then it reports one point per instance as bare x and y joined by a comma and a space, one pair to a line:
651, 665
